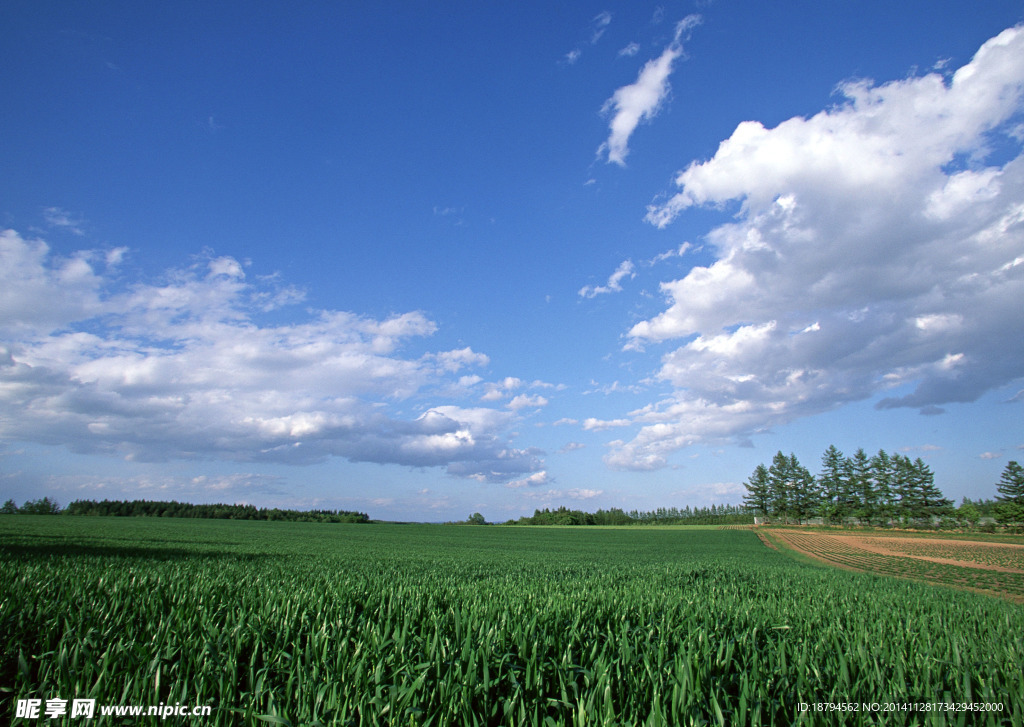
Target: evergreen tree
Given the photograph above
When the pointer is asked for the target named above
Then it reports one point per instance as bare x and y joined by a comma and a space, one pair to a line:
832, 483
882, 479
920, 499
933, 503
908, 505
779, 486
849, 493
862, 488
805, 497
1010, 507
758, 497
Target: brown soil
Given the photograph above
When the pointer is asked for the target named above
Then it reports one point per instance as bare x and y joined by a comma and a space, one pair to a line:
891, 546
803, 542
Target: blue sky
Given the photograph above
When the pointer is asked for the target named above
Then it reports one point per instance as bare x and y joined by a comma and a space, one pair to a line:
426, 259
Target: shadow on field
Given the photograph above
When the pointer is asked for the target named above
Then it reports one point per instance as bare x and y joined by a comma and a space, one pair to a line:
31, 551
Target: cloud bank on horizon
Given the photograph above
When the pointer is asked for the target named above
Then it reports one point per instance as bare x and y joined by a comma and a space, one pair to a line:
878, 245
183, 368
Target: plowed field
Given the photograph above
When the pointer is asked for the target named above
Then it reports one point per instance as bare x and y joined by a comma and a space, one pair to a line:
982, 566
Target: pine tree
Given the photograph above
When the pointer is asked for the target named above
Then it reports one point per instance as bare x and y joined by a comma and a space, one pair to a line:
861, 487
779, 486
1010, 507
933, 503
831, 483
903, 482
758, 497
882, 479
806, 499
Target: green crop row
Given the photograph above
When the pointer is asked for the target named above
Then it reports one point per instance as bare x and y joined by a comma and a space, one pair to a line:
291, 623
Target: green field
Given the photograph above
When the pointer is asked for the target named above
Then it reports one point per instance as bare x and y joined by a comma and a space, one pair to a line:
308, 623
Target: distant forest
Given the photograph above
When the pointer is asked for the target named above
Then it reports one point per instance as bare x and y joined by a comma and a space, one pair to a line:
714, 515
147, 508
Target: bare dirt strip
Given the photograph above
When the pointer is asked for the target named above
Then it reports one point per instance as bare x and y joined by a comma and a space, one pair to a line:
989, 567
1003, 557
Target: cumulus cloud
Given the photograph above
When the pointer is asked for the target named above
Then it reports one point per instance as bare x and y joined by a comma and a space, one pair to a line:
642, 99
184, 368
614, 284
878, 247
525, 401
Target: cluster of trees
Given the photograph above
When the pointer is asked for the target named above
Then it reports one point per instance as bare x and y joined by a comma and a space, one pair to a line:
880, 490
884, 489
972, 511
147, 508
714, 515
1009, 507
42, 506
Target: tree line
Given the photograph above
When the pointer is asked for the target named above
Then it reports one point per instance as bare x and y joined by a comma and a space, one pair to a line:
713, 515
882, 489
152, 508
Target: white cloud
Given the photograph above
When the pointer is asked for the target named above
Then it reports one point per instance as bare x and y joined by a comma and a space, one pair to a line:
599, 425
41, 292
453, 361
669, 254
524, 401
990, 455
630, 50
642, 99
875, 250
614, 284
578, 493
496, 391
184, 369
537, 479
240, 487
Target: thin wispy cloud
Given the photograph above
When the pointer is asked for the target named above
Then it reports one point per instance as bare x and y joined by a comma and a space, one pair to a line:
64, 220
614, 284
600, 25
642, 99
597, 29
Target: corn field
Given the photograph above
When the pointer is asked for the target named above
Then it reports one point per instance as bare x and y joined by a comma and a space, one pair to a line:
332, 624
